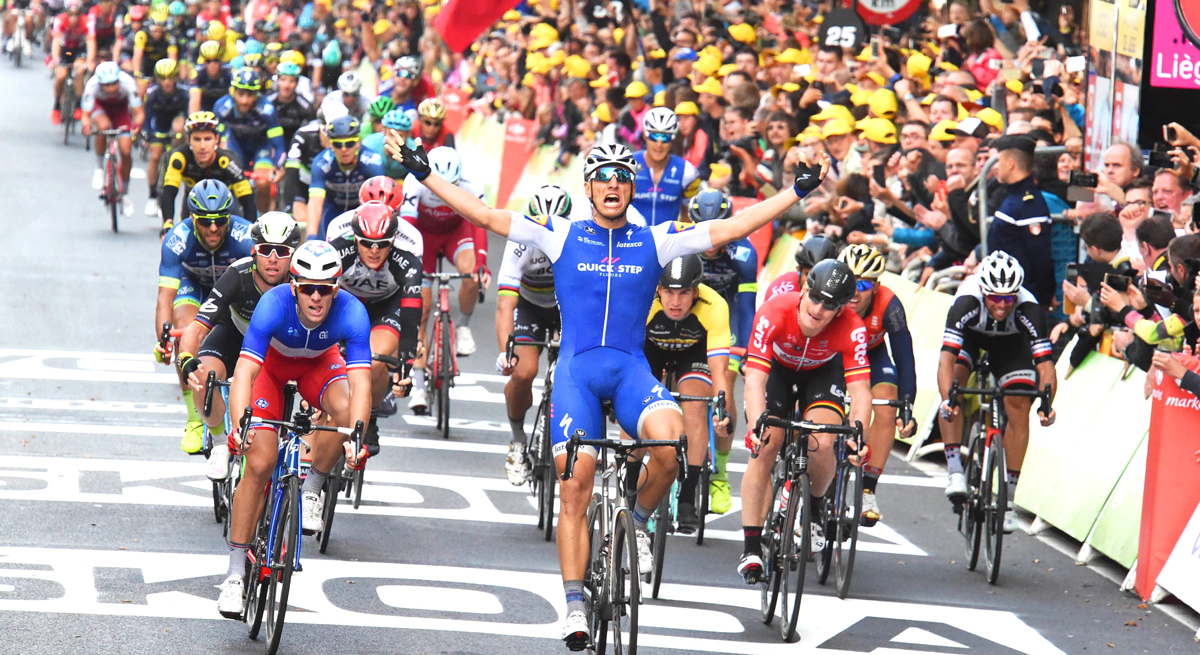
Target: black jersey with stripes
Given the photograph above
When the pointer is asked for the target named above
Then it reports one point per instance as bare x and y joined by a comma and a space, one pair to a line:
233, 298
969, 314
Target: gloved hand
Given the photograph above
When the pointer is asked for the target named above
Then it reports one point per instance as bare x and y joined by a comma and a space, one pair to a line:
808, 177
416, 161
188, 364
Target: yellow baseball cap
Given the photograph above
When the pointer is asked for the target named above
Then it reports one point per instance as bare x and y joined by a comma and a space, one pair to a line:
710, 85
991, 118
743, 32
660, 99
687, 108
859, 96
600, 83
832, 112
918, 65
708, 64
637, 89
789, 56
943, 131
865, 54
511, 14
879, 130
786, 87
576, 66
726, 69
718, 171
382, 25
603, 113
876, 78
835, 127
883, 103
1015, 86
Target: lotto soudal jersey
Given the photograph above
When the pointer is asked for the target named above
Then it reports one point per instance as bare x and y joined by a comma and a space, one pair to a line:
777, 338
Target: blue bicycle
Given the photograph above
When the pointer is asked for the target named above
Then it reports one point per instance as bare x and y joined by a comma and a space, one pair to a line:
275, 550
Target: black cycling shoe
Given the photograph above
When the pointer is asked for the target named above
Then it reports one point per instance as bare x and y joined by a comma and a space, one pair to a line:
371, 438
686, 516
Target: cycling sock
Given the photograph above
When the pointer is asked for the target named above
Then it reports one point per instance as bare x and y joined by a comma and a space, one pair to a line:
1012, 477
722, 460
193, 415
575, 598
753, 540
687, 493
518, 430
237, 559
57, 104
871, 477
633, 471
953, 460
641, 516
463, 319
314, 480
418, 378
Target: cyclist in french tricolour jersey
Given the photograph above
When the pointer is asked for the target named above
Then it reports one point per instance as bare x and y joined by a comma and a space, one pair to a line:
663, 180
612, 269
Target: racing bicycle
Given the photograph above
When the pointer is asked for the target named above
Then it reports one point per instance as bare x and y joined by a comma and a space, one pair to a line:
442, 358
69, 103
223, 490
114, 187
539, 452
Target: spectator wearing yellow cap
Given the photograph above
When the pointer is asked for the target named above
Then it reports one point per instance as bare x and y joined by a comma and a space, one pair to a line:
879, 133
883, 104
838, 137
941, 139
693, 143
636, 106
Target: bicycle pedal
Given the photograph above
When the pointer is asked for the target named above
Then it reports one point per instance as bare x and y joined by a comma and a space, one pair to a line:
299, 567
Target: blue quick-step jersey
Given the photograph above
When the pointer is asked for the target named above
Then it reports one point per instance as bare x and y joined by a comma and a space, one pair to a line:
660, 203
276, 324
255, 135
733, 273
183, 256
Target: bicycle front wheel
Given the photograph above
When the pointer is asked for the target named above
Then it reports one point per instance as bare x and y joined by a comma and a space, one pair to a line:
848, 512
544, 469
624, 585
332, 486
283, 561
256, 590
702, 502
972, 512
595, 587
794, 556
995, 505
827, 517
446, 373
772, 544
662, 528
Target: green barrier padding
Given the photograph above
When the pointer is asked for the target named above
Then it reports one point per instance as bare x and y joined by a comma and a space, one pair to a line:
481, 142
1072, 466
926, 311
1116, 531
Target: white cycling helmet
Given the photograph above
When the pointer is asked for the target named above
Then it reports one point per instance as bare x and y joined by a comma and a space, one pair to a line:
331, 111
108, 72
446, 163
661, 120
1000, 273
276, 227
550, 200
608, 154
349, 82
410, 64
316, 260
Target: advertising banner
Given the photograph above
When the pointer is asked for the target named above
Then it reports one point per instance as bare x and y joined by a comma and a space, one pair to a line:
1102, 36
456, 108
519, 135
1175, 60
1181, 575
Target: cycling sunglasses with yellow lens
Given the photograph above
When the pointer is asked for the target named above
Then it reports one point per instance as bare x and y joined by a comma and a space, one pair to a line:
210, 221
343, 144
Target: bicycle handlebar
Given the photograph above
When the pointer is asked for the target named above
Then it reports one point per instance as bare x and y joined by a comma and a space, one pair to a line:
446, 277
509, 347
621, 446
903, 404
956, 393
117, 132
301, 423
209, 386
807, 427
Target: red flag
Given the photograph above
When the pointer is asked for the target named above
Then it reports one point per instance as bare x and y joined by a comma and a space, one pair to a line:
462, 21
519, 136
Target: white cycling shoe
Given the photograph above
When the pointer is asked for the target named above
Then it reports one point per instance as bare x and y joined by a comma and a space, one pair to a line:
218, 462
956, 487
310, 518
97, 179
127, 206
152, 207
516, 466
229, 603
645, 557
418, 403
464, 341
576, 632
751, 568
1010, 521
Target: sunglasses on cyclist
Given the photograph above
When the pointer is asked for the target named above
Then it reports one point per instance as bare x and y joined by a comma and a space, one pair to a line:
267, 249
1003, 299
864, 285
660, 137
609, 172
829, 305
431, 123
375, 243
210, 221
343, 144
309, 288
405, 74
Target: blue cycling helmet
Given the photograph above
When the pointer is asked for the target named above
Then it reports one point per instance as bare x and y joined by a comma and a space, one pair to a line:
332, 56
709, 205
343, 127
252, 47
177, 8
306, 22
397, 119
237, 62
247, 79
210, 199
108, 72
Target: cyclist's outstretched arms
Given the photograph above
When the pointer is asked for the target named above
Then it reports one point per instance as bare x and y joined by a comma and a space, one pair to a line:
463, 202
809, 175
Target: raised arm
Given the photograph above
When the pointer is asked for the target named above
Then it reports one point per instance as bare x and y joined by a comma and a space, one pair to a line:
463, 202
809, 175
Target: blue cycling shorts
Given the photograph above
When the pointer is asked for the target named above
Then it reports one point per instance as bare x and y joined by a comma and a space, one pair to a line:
883, 371
583, 380
190, 292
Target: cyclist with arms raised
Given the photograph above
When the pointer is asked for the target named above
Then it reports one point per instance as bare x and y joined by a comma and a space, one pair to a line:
603, 324
806, 348
992, 312
883, 315
294, 335
663, 180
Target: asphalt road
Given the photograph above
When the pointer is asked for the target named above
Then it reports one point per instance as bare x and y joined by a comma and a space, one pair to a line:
109, 543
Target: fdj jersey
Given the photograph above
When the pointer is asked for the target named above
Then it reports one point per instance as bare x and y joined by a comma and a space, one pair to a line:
660, 203
276, 324
255, 135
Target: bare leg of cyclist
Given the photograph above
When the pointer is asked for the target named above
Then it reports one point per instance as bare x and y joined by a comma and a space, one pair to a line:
182, 315
60, 80
518, 398
695, 425
1016, 438
125, 145
661, 469
300, 211
952, 430
821, 461
384, 341
248, 499
262, 186
328, 445
880, 437
417, 400
468, 295
80, 77
572, 532
215, 419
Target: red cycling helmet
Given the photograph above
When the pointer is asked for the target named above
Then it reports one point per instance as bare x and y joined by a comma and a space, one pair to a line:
374, 221
137, 12
383, 189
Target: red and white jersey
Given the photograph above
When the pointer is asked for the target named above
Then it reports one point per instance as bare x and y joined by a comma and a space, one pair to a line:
424, 209
103, 27
125, 97
786, 283
72, 28
777, 337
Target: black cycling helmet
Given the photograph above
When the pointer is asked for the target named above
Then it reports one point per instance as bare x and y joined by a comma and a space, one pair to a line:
832, 283
813, 250
210, 199
682, 273
709, 205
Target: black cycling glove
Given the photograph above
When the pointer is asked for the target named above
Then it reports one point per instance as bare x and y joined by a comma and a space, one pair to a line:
808, 177
188, 364
416, 161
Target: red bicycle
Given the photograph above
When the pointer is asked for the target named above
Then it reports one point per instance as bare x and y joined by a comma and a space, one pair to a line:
443, 362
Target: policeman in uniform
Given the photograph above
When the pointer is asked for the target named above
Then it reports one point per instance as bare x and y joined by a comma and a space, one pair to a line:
1021, 225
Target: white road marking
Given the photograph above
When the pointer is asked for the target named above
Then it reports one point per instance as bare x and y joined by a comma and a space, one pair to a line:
91, 405
137, 173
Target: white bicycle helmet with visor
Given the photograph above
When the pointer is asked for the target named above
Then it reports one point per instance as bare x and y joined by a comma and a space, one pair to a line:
661, 120
605, 155
1000, 274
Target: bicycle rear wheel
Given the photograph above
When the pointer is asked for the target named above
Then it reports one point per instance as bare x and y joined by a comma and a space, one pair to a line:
794, 556
995, 504
772, 544
359, 476
827, 517
662, 528
283, 561
848, 513
18, 44
331, 490
111, 198
256, 591
545, 470
624, 585
67, 110
971, 516
702, 502
446, 377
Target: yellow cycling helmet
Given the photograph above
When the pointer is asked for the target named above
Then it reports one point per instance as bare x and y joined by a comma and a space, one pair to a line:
216, 31
166, 68
865, 261
160, 16
210, 50
272, 51
202, 121
292, 56
432, 108
252, 60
